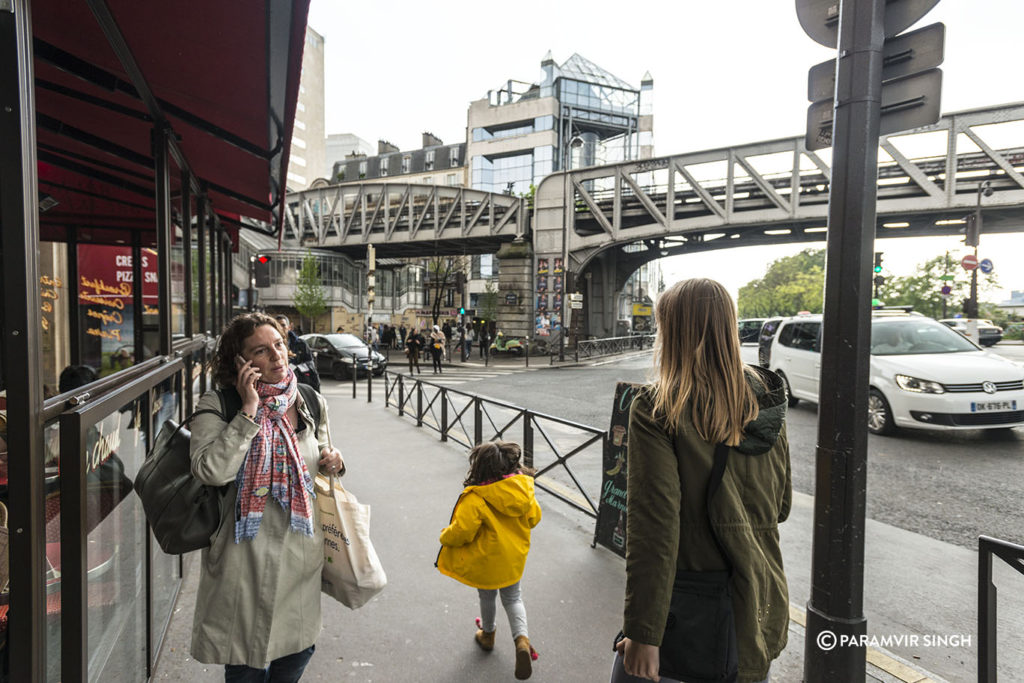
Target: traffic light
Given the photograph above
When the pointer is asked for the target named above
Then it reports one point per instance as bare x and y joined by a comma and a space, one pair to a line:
878, 262
879, 279
261, 270
462, 310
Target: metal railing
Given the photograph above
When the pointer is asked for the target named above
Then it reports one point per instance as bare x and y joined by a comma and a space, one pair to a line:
608, 346
469, 419
1013, 555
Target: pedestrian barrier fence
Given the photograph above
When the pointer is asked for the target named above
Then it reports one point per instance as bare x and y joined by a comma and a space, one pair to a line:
608, 346
550, 444
1013, 555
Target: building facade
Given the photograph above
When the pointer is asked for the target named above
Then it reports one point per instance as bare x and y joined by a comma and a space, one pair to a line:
308, 157
435, 163
343, 145
577, 115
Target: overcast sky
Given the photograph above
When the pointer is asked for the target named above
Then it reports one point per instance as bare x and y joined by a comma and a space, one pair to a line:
725, 73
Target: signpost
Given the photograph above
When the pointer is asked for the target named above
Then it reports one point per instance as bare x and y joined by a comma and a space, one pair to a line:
969, 262
986, 266
850, 124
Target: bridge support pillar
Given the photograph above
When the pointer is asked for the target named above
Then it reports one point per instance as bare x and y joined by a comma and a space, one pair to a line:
515, 289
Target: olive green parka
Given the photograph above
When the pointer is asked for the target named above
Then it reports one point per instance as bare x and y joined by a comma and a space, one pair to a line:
667, 522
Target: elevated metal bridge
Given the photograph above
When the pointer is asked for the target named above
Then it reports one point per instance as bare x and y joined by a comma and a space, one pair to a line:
402, 219
777, 191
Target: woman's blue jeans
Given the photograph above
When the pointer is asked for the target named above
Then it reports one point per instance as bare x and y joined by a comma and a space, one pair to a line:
287, 669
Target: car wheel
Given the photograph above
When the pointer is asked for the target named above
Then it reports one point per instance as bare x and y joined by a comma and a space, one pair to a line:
339, 372
879, 414
790, 398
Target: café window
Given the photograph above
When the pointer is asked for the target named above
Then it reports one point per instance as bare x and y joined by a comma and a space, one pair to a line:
106, 306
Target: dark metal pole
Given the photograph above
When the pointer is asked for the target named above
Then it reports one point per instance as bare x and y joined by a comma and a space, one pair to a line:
163, 236
835, 610
22, 362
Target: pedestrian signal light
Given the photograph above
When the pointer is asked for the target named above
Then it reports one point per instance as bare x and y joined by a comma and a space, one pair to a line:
462, 310
878, 262
261, 270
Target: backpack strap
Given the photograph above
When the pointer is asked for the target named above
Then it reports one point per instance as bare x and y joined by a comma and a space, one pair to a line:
717, 471
230, 402
312, 402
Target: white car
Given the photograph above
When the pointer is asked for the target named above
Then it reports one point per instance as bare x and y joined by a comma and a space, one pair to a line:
922, 375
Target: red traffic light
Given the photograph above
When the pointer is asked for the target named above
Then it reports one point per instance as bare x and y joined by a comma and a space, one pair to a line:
263, 259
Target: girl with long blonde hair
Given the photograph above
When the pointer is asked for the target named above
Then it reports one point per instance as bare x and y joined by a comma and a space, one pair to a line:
704, 400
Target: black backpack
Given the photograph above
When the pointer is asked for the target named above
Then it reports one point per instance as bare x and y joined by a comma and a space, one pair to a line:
183, 512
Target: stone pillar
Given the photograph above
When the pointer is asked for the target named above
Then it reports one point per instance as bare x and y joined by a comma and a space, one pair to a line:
515, 289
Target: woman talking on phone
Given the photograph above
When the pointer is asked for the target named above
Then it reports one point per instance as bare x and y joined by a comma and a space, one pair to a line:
258, 605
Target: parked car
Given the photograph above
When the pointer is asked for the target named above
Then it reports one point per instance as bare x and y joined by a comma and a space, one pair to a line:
749, 331
988, 334
341, 355
922, 375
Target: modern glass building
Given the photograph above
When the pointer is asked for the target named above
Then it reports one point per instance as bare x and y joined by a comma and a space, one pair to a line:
577, 115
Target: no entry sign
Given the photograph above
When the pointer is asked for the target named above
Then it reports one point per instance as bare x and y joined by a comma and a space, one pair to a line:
969, 262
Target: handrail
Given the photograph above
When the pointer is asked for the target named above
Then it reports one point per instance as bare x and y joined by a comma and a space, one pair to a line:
608, 346
1013, 555
422, 400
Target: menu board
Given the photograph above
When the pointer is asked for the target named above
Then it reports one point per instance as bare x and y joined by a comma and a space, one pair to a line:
610, 530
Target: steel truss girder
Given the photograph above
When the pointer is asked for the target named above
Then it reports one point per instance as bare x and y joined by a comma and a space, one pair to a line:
656, 198
358, 213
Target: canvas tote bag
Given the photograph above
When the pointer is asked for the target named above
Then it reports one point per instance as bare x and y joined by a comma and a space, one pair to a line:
352, 572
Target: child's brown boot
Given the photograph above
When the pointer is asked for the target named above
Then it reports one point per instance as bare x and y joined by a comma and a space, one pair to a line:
525, 654
485, 639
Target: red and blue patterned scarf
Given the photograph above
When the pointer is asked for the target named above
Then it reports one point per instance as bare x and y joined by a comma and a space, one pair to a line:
273, 466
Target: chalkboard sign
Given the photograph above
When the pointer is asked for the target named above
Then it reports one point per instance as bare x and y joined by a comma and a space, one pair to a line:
610, 530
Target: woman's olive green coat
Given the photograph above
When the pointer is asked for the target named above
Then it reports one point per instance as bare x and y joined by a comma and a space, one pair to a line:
260, 599
667, 523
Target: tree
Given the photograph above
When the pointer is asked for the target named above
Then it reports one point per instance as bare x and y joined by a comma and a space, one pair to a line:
790, 285
488, 309
442, 272
310, 299
923, 289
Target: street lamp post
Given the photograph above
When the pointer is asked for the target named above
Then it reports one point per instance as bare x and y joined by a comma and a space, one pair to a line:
973, 237
570, 205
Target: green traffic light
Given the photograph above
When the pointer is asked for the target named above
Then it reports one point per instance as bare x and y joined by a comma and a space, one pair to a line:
878, 269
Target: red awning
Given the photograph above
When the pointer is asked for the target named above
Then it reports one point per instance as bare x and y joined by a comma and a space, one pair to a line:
224, 74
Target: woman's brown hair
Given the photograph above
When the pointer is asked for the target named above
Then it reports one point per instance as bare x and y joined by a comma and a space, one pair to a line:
697, 358
232, 341
493, 460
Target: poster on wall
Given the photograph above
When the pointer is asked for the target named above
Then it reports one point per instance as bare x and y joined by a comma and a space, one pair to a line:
107, 305
542, 283
558, 266
610, 529
542, 266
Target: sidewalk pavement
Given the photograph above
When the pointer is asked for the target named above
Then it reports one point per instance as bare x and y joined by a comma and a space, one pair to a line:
420, 628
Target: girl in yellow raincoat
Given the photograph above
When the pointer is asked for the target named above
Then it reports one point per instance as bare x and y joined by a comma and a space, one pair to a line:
486, 543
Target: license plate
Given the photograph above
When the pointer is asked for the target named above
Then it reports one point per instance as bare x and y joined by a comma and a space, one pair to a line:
993, 406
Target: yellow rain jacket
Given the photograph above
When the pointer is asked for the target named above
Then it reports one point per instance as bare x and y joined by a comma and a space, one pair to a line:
486, 543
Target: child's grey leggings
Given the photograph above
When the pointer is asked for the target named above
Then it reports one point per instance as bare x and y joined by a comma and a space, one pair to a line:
511, 600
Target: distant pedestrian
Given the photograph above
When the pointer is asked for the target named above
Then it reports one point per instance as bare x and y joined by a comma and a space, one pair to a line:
401, 335
447, 329
300, 357
413, 346
340, 330
486, 544
485, 341
706, 410
438, 342
467, 341
374, 338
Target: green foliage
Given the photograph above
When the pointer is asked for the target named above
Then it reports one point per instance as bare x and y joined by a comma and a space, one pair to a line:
488, 308
922, 290
310, 298
791, 284
441, 275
